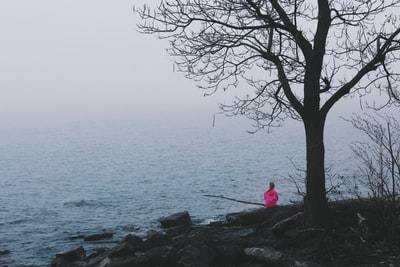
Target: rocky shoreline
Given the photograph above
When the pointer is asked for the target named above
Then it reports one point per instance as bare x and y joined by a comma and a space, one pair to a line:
258, 237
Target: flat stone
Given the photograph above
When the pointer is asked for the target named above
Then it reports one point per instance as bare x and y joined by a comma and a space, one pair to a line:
97, 237
176, 219
75, 254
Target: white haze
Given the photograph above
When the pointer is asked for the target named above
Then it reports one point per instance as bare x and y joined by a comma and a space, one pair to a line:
85, 59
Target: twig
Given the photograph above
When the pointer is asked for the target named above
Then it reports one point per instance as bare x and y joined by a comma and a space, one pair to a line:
236, 200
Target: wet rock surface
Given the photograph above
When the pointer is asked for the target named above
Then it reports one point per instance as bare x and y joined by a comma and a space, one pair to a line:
260, 237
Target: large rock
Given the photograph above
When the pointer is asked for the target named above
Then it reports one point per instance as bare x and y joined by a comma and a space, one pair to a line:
193, 256
265, 216
139, 260
276, 258
162, 256
176, 219
59, 262
75, 254
249, 217
234, 244
156, 239
128, 246
287, 224
229, 254
73, 257
267, 255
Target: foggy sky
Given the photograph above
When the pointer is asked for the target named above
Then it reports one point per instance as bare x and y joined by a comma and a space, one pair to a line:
86, 58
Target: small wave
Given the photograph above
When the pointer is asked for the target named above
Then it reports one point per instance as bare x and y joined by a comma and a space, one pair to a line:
206, 221
129, 228
18, 221
80, 203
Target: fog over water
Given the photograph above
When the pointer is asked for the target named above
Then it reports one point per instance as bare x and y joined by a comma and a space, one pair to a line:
98, 132
74, 59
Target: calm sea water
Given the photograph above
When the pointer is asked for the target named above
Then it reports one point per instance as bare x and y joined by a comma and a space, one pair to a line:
67, 179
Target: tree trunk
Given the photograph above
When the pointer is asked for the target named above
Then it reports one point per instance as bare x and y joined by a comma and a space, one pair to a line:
315, 202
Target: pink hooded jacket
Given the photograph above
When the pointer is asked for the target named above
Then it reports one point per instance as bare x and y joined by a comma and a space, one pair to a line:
270, 198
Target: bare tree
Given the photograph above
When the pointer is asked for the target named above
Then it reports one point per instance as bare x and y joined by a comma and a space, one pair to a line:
379, 173
293, 58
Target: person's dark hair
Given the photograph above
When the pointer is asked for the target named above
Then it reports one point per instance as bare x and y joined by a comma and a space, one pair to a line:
271, 185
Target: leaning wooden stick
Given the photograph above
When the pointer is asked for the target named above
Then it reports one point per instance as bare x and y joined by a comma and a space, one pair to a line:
236, 200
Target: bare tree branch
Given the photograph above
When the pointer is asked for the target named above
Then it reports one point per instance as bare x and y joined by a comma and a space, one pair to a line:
290, 59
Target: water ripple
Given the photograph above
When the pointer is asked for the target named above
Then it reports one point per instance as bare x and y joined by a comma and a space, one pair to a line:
122, 176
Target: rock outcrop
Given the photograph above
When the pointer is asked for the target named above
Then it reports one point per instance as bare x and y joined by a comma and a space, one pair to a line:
231, 243
258, 238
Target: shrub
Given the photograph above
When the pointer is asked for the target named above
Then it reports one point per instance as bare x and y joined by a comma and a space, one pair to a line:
379, 173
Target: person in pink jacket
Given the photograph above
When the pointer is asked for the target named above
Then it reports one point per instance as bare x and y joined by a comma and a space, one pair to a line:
270, 196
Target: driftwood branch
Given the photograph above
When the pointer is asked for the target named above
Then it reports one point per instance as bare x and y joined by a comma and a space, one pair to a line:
236, 200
